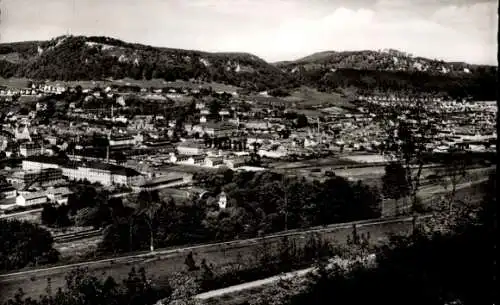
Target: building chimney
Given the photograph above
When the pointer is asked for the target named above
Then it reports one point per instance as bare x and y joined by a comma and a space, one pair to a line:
107, 146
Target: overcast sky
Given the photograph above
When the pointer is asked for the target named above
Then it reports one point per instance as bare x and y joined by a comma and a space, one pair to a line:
463, 30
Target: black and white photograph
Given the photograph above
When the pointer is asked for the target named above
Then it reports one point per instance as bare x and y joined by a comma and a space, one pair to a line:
248, 152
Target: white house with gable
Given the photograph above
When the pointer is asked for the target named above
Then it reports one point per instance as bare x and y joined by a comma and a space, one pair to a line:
28, 199
222, 200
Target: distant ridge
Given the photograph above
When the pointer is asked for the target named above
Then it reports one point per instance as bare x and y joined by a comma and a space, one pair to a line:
94, 58
384, 60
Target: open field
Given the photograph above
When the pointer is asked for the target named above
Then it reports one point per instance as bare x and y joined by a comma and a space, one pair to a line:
166, 262
372, 173
374, 178
155, 83
327, 161
470, 193
78, 249
367, 158
333, 110
348, 171
307, 97
32, 216
309, 112
19, 83
15, 83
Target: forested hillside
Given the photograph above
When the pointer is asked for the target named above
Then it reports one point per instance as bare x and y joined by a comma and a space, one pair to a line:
85, 58
94, 58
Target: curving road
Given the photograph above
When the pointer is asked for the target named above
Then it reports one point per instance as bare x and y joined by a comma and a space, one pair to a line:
250, 285
270, 280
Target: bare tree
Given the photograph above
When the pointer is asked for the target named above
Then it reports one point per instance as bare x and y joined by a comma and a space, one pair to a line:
453, 172
149, 205
409, 130
394, 183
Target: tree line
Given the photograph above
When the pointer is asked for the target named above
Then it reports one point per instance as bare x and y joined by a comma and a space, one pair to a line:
448, 265
83, 287
258, 203
24, 244
479, 86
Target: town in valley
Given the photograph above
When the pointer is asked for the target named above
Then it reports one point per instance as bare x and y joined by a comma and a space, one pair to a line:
133, 174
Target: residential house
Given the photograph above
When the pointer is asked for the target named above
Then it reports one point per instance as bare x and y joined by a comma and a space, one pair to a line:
42, 176
31, 198
213, 161
142, 122
219, 129
234, 162
41, 106
7, 191
178, 158
121, 140
197, 160
30, 149
224, 113
222, 200
257, 125
259, 139
310, 142
23, 134
274, 151
41, 162
191, 148
127, 176
200, 105
59, 195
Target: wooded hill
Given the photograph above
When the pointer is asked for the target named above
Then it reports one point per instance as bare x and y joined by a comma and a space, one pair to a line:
95, 58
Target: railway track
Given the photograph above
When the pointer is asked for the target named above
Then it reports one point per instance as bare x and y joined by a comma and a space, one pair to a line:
68, 237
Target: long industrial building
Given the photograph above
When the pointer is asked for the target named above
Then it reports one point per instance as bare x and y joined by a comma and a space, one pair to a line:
106, 174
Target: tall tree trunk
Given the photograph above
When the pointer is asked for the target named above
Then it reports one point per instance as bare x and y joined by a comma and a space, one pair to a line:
452, 195
152, 248
416, 186
151, 238
130, 237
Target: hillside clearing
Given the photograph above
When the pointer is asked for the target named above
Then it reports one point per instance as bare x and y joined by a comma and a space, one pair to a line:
309, 97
